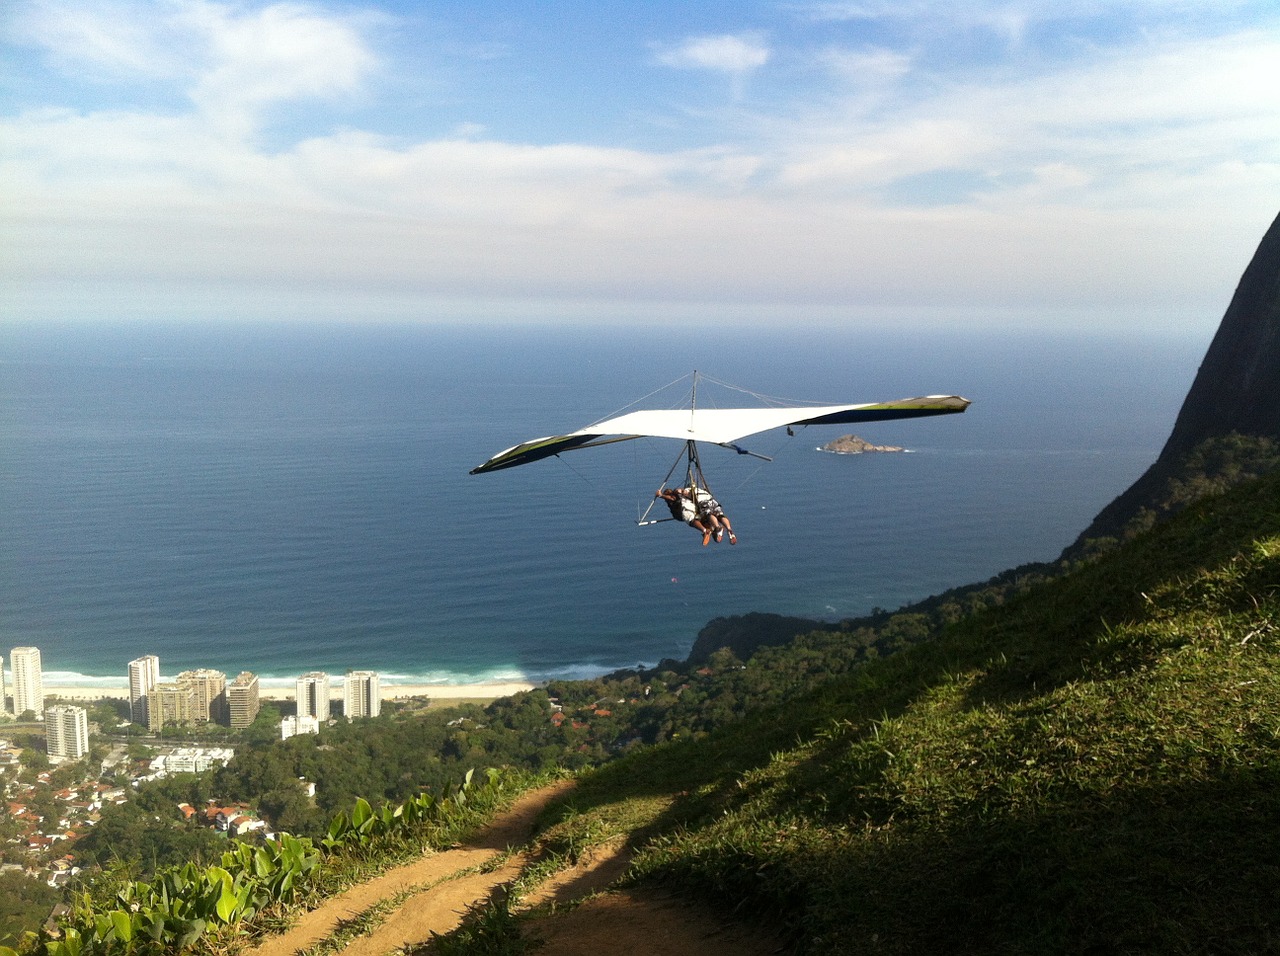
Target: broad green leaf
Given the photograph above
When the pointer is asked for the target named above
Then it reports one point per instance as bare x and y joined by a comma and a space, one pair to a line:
228, 904
190, 931
122, 923
361, 813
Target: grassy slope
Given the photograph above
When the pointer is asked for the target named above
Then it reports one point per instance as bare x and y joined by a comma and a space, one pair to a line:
1094, 767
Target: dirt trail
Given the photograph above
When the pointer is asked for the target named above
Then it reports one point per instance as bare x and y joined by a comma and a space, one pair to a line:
632, 922
650, 923
510, 829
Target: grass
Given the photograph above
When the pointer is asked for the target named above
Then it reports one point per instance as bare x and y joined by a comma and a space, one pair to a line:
1093, 767
1090, 768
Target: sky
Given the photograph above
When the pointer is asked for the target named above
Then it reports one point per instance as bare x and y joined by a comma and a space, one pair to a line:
1012, 162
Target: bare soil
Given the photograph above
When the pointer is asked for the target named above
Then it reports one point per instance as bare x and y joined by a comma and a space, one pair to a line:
450, 883
649, 923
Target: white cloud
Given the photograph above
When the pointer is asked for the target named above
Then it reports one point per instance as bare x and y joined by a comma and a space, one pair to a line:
106, 39
1067, 173
729, 53
870, 66
282, 52
1189, 105
231, 61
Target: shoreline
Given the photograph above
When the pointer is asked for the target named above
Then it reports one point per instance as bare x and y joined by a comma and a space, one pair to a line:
488, 690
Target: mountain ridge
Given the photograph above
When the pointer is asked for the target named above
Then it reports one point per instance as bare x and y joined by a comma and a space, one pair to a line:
1236, 390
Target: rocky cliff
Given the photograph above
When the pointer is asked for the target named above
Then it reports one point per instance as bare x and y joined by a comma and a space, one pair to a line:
1237, 389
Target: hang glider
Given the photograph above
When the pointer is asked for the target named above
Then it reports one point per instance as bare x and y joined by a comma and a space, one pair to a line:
717, 426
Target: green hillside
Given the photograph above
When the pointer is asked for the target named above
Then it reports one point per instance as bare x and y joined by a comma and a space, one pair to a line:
1093, 767
1086, 763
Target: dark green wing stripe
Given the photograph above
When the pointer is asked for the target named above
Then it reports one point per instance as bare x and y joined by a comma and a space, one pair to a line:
890, 411
545, 448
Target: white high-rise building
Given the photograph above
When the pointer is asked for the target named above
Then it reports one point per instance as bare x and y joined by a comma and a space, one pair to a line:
28, 685
360, 695
4, 690
144, 675
66, 732
313, 696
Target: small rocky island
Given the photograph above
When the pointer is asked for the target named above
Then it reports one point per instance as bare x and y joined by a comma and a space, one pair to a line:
853, 445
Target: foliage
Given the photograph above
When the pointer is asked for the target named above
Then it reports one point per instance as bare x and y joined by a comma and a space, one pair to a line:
1211, 468
488, 929
1089, 766
367, 830
148, 832
191, 905
183, 904
1093, 767
24, 902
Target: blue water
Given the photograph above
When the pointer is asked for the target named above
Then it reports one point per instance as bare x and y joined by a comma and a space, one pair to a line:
291, 498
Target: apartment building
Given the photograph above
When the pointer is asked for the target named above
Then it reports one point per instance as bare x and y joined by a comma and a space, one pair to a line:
66, 731
242, 699
144, 674
360, 695
28, 682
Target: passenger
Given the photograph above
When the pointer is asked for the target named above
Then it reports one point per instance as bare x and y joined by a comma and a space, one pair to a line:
683, 508
712, 514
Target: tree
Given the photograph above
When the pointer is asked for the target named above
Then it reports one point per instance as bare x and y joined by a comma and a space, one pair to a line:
24, 904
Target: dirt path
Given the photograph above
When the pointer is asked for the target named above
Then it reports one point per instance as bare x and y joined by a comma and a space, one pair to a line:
632, 922
448, 899
650, 923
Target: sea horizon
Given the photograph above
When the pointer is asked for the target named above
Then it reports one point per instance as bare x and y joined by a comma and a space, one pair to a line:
286, 499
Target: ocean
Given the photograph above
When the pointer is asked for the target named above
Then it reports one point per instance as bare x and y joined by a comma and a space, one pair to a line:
292, 497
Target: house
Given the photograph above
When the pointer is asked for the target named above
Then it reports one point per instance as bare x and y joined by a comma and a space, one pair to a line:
244, 824
221, 817
62, 871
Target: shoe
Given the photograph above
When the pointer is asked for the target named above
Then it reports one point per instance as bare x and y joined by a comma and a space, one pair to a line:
706, 538
733, 538
719, 535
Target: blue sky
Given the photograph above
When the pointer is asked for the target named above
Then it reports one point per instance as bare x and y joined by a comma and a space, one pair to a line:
1076, 162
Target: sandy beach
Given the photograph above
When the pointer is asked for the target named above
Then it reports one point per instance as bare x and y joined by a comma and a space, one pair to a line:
489, 691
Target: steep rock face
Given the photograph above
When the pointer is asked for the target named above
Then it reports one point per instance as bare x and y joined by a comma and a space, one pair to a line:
1237, 388
1238, 385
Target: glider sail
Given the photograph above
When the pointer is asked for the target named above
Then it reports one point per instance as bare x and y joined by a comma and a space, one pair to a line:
718, 426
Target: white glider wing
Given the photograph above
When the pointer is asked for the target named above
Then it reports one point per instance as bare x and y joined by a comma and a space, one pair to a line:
718, 426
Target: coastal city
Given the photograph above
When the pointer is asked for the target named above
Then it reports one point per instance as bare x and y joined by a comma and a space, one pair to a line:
53, 795
198, 696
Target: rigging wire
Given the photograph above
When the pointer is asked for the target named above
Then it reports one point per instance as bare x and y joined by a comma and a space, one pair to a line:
773, 401
695, 474
663, 388
609, 504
